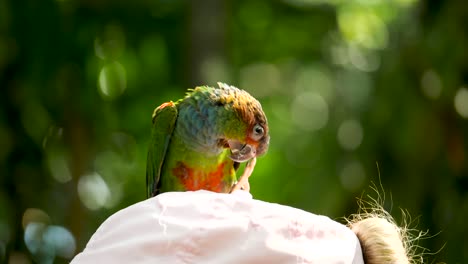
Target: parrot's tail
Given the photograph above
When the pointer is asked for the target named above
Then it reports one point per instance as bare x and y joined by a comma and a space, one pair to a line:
382, 240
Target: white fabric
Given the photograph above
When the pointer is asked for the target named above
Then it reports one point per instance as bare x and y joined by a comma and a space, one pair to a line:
212, 228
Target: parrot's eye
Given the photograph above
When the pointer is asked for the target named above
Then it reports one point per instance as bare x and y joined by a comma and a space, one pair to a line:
257, 132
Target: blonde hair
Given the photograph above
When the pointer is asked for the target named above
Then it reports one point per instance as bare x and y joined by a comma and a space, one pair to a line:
382, 240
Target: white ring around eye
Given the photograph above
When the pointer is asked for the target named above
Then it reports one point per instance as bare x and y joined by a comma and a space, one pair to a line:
257, 132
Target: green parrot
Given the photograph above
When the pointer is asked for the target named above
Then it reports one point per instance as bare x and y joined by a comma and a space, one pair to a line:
199, 141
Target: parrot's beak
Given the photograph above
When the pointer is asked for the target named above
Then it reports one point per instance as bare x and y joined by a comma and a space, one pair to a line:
241, 152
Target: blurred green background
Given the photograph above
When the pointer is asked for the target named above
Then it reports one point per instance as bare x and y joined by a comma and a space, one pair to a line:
346, 85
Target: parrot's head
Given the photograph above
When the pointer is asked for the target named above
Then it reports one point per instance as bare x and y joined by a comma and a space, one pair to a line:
246, 133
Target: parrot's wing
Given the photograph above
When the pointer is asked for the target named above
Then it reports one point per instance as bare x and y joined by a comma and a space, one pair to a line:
164, 118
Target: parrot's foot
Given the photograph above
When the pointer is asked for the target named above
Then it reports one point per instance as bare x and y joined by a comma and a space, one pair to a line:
243, 183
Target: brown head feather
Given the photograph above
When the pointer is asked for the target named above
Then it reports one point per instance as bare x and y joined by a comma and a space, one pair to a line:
249, 110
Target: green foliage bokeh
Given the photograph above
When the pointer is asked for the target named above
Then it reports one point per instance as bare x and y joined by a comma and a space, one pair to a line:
355, 92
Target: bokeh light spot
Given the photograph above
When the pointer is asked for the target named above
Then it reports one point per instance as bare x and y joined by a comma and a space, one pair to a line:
33, 240
362, 26
111, 43
61, 240
352, 175
35, 119
17, 257
362, 59
214, 69
315, 78
339, 55
461, 102
58, 167
309, 111
431, 84
35, 215
350, 134
112, 80
260, 79
93, 191
45, 242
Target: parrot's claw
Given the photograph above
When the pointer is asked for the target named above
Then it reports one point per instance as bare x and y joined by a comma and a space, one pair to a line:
243, 183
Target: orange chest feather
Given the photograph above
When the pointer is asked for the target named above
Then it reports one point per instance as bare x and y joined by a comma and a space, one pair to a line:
196, 179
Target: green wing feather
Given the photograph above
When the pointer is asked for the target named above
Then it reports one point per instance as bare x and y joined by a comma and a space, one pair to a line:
164, 118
